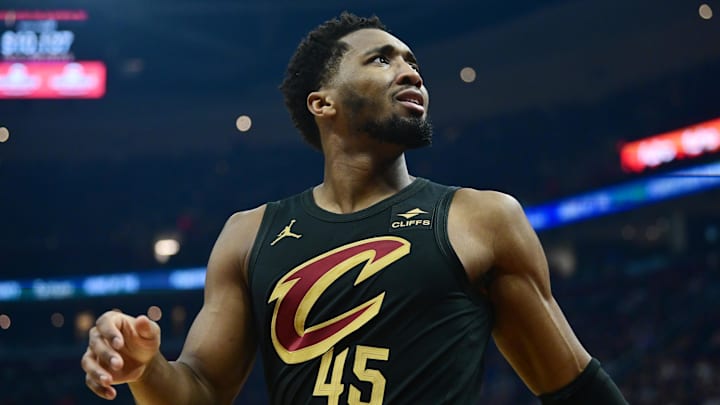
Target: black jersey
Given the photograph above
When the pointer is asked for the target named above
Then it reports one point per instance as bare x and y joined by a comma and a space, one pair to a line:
371, 307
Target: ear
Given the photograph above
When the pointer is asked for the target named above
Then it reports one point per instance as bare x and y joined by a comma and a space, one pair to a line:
321, 104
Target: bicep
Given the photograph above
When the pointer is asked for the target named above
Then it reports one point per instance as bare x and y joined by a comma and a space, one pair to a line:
530, 329
221, 344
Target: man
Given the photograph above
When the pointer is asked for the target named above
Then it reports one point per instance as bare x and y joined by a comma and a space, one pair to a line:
374, 287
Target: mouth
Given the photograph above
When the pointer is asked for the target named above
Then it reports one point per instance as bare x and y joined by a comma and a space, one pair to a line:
412, 99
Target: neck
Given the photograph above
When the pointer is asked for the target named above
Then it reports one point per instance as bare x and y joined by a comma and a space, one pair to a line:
354, 180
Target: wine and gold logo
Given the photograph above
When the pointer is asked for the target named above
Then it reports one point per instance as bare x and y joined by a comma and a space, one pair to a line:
297, 292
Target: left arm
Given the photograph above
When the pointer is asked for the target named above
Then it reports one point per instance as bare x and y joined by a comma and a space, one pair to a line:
530, 329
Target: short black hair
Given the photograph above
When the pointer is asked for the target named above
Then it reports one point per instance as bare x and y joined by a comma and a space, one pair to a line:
314, 63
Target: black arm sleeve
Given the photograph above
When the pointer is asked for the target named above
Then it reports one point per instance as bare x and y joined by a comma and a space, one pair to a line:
592, 387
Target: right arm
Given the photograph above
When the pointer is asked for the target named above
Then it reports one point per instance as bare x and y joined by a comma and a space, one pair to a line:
219, 350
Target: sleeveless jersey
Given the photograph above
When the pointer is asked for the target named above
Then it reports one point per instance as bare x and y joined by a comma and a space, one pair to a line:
371, 307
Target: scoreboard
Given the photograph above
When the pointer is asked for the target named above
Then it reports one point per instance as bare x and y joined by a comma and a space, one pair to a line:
37, 59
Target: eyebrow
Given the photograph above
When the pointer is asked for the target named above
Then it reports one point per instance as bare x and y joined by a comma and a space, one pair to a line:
390, 50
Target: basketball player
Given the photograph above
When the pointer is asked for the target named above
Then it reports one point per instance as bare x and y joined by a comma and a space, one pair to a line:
374, 287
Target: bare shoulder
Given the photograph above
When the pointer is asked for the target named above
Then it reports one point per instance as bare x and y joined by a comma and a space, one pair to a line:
491, 207
473, 222
237, 238
477, 219
245, 222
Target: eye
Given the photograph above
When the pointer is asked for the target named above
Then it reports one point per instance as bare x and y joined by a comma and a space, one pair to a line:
381, 59
415, 66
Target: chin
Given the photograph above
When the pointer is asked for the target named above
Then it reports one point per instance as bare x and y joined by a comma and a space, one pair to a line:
410, 132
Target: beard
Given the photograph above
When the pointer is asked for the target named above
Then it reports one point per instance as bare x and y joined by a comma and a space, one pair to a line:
409, 132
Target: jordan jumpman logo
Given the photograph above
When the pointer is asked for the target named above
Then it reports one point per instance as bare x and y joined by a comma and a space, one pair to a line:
286, 232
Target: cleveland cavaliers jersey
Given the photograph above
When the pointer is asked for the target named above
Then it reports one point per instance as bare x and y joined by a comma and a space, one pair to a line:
371, 307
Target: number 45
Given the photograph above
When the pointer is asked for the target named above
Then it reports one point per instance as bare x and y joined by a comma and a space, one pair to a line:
335, 387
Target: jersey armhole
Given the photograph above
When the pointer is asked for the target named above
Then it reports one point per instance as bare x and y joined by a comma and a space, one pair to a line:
448, 252
270, 210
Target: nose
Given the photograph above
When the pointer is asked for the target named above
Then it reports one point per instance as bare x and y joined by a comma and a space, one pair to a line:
409, 76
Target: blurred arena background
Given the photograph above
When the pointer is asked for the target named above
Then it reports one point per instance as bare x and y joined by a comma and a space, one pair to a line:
161, 118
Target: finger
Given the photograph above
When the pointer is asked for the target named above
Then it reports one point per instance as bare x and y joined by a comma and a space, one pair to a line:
110, 326
104, 353
146, 328
94, 371
105, 392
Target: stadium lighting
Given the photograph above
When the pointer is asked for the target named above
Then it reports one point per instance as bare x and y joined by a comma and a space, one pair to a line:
243, 123
705, 12
167, 247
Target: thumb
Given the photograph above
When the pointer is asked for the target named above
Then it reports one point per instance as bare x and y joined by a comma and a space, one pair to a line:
146, 328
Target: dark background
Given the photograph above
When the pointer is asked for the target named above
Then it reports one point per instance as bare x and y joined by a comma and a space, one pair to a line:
87, 186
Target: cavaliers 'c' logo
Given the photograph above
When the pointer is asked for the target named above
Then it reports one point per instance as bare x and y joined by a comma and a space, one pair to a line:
299, 290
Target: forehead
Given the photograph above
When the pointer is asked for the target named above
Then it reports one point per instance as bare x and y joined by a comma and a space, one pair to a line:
366, 39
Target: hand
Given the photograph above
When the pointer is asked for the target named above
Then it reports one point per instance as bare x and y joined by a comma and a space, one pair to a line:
119, 350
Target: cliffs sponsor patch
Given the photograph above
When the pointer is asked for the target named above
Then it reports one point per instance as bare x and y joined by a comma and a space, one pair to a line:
404, 217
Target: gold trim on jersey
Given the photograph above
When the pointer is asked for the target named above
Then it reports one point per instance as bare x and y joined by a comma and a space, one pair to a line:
313, 341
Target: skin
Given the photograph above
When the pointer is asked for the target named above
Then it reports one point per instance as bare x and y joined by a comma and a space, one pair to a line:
487, 229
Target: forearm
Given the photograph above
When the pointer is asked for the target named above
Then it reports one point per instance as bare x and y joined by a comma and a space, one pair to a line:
170, 383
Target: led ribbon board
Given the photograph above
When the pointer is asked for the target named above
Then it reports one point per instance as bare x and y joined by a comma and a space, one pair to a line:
59, 288
624, 196
683, 143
